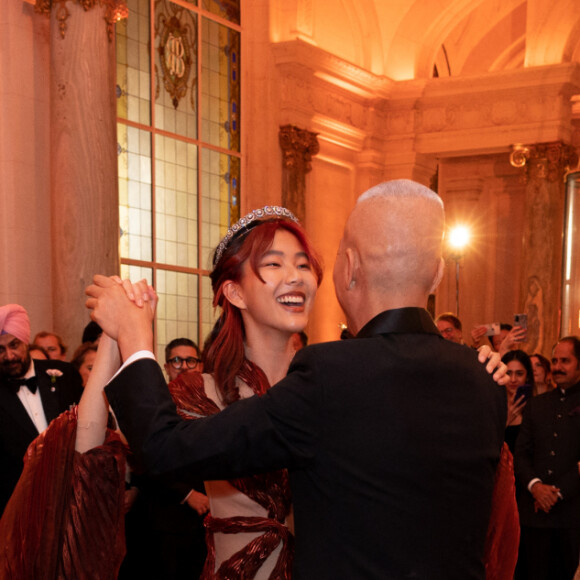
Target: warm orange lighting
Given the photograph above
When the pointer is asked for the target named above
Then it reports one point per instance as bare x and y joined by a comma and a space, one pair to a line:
459, 237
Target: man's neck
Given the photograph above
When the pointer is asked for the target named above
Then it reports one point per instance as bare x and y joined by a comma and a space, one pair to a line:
30, 372
377, 304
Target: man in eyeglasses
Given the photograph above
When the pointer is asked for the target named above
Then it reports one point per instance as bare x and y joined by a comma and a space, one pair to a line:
450, 327
181, 355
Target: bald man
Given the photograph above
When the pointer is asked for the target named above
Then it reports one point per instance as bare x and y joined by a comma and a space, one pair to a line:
391, 439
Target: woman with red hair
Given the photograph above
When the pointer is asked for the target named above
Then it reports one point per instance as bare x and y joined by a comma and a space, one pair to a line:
264, 280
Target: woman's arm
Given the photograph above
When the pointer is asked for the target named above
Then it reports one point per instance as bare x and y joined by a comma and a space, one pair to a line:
93, 409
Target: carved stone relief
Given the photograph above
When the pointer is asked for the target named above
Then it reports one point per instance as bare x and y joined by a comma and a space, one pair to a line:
298, 147
115, 10
543, 174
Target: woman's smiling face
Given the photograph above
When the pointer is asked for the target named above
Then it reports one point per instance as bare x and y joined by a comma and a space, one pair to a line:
282, 300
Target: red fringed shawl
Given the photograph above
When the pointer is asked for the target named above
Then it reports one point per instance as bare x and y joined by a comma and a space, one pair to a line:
65, 519
271, 491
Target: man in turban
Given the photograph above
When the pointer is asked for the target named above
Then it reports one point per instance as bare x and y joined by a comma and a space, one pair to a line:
32, 394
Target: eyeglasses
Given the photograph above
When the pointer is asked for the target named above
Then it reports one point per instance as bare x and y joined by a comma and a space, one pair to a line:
177, 362
449, 330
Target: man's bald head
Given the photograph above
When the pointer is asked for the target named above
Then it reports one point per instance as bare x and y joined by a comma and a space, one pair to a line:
392, 244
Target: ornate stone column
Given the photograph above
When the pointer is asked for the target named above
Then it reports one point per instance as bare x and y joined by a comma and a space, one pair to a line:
544, 166
298, 147
84, 189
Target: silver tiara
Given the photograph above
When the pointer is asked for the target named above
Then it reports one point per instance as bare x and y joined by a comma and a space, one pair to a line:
267, 212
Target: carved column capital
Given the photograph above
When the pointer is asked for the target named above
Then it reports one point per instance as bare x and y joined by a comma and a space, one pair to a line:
298, 147
544, 161
115, 10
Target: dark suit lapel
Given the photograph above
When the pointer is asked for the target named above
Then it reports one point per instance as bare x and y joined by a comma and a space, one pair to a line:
14, 408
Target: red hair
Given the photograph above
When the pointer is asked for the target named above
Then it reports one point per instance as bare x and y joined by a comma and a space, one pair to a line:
225, 356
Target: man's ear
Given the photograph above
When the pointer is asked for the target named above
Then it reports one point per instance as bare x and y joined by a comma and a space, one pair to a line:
233, 294
438, 275
351, 267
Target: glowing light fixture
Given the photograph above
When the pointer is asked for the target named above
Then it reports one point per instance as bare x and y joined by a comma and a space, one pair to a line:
459, 238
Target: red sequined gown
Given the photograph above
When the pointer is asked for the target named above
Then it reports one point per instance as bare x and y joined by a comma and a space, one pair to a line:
247, 528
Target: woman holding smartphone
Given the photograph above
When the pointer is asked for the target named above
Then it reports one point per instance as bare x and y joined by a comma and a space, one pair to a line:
519, 388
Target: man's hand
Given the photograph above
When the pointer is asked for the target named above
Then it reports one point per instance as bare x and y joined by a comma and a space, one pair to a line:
494, 365
124, 311
546, 496
198, 502
516, 335
477, 334
129, 498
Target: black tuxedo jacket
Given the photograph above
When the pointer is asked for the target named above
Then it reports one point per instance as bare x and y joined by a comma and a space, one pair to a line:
391, 439
17, 430
548, 447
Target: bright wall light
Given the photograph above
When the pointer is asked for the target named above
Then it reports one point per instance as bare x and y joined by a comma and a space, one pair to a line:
459, 237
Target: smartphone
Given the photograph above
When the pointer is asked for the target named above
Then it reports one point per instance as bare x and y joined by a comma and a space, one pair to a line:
521, 320
524, 391
492, 329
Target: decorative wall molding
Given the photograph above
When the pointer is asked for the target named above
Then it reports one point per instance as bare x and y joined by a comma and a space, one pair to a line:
331, 69
550, 161
442, 117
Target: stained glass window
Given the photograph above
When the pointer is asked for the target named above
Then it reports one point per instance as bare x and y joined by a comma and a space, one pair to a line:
178, 144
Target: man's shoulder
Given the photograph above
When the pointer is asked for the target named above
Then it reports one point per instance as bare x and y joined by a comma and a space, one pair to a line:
339, 349
419, 350
543, 401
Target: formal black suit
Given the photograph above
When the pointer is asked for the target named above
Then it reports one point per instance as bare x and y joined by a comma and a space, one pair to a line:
548, 448
391, 439
165, 538
17, 430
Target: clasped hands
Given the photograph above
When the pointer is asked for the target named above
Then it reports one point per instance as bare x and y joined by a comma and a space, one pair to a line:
545, 496
124, 310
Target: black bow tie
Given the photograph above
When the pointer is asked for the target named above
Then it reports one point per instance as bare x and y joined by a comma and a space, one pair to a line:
30, 383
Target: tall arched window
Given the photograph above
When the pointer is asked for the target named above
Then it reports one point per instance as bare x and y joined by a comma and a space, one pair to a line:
178, 111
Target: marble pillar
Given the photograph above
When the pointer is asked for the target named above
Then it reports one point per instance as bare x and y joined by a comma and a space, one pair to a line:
83, 159
540, 288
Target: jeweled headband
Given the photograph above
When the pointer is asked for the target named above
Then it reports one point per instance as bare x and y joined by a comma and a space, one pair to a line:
267, 212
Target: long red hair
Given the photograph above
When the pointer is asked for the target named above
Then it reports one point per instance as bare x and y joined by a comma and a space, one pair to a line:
224, 353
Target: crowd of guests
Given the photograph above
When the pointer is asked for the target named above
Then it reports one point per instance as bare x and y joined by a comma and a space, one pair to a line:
543, 401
